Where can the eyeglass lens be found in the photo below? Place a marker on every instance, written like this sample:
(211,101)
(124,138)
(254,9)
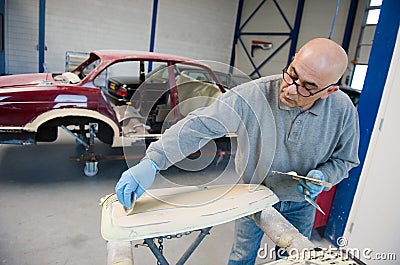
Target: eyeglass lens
(300,89)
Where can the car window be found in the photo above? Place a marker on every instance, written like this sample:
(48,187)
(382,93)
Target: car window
(119,69)
(198,75)
(195,72)
(128,68)
(224,79)
(159,74)
(90,67)
(237,80)
(101,80)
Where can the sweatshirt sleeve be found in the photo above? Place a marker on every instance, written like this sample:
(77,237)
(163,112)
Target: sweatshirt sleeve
(345,155)
(197,129)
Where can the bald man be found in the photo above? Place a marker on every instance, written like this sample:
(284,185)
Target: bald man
(320,63)
(298,121)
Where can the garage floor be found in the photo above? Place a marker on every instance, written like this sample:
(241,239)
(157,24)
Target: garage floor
(50,213)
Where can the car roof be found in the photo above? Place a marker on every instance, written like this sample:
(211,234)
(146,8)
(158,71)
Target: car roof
(133,54)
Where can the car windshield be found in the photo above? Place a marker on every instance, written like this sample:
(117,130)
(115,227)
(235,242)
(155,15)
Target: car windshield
(90,66)
(160,73)
(227,79)
(87,66)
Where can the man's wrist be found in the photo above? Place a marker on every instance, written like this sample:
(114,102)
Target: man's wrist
(155,166)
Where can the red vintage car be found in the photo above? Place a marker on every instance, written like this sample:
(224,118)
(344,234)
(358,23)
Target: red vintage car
(86,100)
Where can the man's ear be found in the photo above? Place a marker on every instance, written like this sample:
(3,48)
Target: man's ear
(330,91)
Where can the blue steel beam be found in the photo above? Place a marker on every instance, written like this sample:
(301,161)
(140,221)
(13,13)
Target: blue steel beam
(349,24)
(2,41)
(42,24)
(252,15)
(265,33)
(269,58)
(283,15)
(236,34)
(292,33)
(248,55)
(378,67)
(153,31)
(296,30)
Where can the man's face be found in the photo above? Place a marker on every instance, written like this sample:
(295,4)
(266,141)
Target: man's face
(308,77)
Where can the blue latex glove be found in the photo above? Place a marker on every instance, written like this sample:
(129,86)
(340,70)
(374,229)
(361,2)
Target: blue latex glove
(312,189)
(135,180)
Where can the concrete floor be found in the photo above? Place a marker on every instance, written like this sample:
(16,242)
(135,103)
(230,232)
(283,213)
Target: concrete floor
(50,211)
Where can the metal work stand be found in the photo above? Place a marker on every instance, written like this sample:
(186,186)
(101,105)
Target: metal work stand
(271,222)
(90,158)
(158,250)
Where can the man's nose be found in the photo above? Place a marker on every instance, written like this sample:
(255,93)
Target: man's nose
(292,89)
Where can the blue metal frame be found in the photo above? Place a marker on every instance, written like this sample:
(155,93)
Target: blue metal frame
(153,31)
(237,31)
(42,23)
(378,67)
(2,51)
(295,32)
(292,34)
(349,24)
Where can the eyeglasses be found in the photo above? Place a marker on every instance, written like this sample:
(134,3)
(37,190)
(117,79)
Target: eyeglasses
(301,89)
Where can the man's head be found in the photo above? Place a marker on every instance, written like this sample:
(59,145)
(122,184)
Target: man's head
(319,64)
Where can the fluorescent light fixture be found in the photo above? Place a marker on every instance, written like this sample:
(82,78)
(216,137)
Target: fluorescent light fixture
(357,82)
(373,16)
(375,3)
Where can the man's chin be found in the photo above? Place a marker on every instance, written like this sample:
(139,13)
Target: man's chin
(288,102)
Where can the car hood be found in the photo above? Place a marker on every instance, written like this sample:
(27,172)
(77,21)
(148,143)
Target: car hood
(24,80)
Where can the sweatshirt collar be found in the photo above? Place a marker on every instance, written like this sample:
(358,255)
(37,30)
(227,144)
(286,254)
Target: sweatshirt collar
(316,109)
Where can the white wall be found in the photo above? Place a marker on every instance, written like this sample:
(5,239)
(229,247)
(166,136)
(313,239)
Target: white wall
(77,25)
(373,221)
(201,30)
(21,35)
(196,29)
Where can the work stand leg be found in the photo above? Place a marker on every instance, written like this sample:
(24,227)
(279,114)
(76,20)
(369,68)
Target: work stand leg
(89,157)
(194,245)
(157,253)
(160,256)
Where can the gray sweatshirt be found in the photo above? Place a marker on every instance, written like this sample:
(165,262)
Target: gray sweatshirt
(270,136)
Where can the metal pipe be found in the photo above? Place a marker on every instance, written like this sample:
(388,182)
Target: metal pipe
(280,231)
(76,137)
(119,253)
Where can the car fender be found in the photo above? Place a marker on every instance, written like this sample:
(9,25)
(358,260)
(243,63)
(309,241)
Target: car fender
(65,112)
